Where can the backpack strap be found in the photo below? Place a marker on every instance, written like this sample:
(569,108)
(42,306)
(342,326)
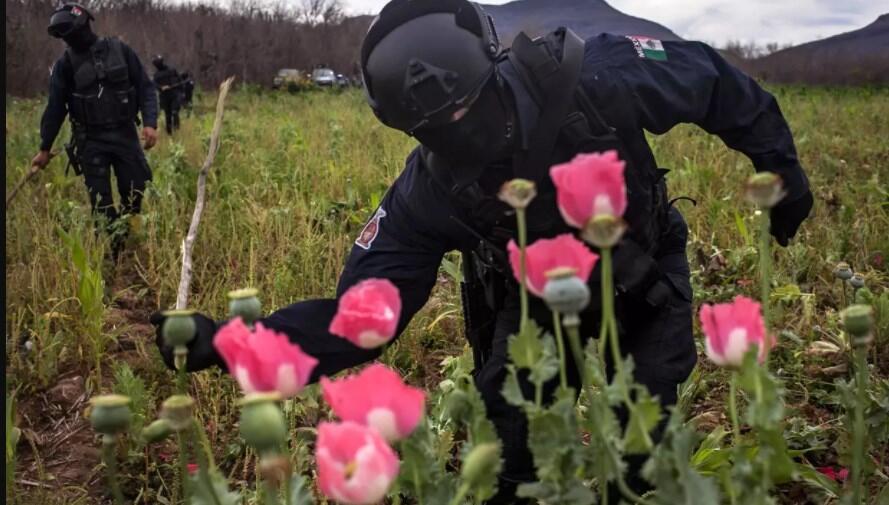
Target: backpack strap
(555,77)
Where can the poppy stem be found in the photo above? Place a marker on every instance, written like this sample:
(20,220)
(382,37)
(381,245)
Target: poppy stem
(560,343)
(733,408)
(858,433)
(109,442)
(523,242)
(765,272)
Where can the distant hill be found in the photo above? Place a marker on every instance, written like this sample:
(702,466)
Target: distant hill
(856,57)
(586,17)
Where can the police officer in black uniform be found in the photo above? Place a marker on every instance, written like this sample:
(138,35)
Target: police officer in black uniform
(169,84)
(101,85)
(187,89)
(484,115)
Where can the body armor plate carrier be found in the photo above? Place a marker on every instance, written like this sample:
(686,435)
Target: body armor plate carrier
(103,95)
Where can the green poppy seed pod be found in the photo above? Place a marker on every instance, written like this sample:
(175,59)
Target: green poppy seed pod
(177,411)
(243,303)
(262,423)
(457,406)
(604,231)
(157,431)
(565,292)
(858,321)
(517,193)
(110,414)
(843,271)
(864,296)
(178,328)
(764,189)
(856,281)
(481,463)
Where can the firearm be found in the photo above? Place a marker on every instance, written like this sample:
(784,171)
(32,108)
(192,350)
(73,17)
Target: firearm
(72,150)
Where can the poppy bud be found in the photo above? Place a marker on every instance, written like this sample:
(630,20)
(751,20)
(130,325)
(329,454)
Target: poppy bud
(457,405)
(177,411)
(244,303)
(565,292)
(262,423)
(481,463)
(275,470)
(110,414)
(764,189)
(178,328)
(157,431)
(518,193)
(843,271)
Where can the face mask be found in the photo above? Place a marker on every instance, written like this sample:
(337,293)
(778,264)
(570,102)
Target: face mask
(80,40)
(484,134)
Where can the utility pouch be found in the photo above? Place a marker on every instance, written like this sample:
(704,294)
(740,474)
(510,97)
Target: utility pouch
(637,276)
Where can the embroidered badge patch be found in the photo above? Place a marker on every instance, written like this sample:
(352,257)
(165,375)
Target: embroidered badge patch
(371,230)
(649,48)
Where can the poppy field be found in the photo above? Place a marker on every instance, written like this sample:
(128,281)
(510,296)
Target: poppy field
(788,404)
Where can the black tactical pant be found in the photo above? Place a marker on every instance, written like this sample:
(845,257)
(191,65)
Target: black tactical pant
(122,153)
(659,339)
(171,102)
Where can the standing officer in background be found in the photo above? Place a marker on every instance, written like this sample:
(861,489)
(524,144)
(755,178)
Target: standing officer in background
(101,85)
(435,70)
(187,89)
(168,82)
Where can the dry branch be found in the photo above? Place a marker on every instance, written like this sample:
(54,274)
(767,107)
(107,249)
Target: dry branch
(188,243)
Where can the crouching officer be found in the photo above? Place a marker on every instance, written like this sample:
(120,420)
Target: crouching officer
(168,82)
(435,70)
(100,84)
(187,89)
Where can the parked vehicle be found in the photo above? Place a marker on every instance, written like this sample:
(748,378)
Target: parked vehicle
(291,79)
(324,77)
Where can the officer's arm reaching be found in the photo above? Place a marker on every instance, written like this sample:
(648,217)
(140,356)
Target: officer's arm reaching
(390,246)
(694,84)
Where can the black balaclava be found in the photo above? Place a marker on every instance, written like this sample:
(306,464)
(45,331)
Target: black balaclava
(80,39)
(486,132)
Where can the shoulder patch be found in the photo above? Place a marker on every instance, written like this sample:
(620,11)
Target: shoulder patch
(371,230)
(647,47)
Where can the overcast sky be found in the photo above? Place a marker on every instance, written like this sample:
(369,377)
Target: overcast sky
(718,21)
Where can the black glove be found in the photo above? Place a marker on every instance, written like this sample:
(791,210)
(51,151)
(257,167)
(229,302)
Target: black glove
(786,217)
(201,353)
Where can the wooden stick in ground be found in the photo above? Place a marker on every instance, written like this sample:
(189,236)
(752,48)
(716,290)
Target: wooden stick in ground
(28,175)
(188,243)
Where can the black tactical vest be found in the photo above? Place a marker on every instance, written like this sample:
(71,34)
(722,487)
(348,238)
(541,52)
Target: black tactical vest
(103,95)
(579,128)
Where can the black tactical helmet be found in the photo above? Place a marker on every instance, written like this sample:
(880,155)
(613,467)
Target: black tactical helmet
(424,60)
(68,18)
(158,61)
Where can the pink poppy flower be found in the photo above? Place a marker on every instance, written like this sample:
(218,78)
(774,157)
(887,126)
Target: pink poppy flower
(731,328)
(590,185)
(376,397)
(355,465)
(192,468)
(834,475)
(546,255)
(368,313)
(263,360)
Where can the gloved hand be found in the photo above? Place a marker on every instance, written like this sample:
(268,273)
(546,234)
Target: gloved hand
(786,217)
(201,353)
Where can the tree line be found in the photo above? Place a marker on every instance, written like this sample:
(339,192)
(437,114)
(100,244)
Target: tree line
(250,39)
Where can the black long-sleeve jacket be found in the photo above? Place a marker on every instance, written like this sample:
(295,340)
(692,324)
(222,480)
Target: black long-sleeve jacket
(661,84)
(61,85)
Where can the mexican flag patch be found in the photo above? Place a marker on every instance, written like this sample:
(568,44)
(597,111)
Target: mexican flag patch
(649,48)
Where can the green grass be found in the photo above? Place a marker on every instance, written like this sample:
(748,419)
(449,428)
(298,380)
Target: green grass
(295,179)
